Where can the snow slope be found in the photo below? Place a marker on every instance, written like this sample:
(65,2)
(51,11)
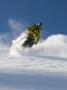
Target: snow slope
(43,67)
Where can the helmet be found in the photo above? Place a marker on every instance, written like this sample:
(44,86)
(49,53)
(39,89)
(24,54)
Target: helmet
(39,24)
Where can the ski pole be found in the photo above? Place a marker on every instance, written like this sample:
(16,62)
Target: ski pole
(22,38)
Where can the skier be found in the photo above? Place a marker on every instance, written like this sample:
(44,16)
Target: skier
(33,35)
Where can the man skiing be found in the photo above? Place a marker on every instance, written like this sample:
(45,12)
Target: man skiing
(33,35)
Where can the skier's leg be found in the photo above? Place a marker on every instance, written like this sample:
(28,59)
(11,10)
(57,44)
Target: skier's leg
(29,41)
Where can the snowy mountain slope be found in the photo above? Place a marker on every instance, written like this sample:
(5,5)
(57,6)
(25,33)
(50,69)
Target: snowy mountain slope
(43,67)
(32,63)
